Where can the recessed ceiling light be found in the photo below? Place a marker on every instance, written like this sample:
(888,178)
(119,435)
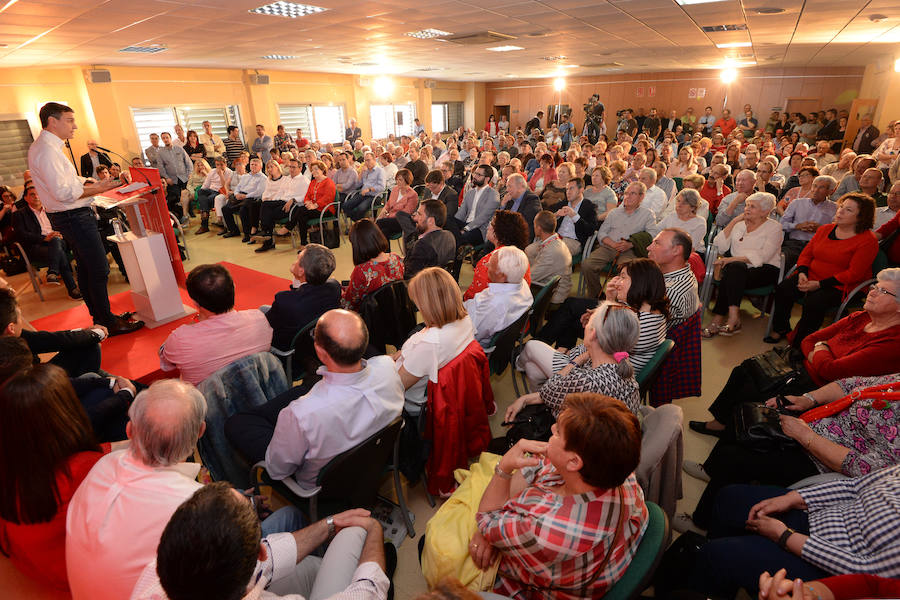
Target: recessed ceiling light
(152,49)
(278,57)
(474,73)
(689,2)
(290,10)
(505,48)
(768,10)
(877,18)
(734,45)
(427,34)
(554,58)
(569,66)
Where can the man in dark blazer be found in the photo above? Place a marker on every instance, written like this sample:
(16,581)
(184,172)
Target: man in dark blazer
(312,294)
(831,130)
(576,218)
(32,229)
(867,133)
(479,204)
(92,159)
(439,190)
(672,122)
(433,247)
(519,198)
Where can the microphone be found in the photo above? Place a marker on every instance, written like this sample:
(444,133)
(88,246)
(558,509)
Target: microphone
(127,162)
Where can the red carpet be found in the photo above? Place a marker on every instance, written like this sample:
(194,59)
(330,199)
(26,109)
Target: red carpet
(135,355)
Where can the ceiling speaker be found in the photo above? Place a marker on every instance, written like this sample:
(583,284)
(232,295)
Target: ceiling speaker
(259,79)
(430,84)
(100,76)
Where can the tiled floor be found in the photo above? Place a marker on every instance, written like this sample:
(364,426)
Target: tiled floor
(719,356)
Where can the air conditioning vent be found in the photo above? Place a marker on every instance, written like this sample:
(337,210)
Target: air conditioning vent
(719,28)
(100,76)
(259,79)
(606,65)
(481,37)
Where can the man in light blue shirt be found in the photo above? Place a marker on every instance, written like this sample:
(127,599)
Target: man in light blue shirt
(175,167)
(246,196)
(371,184)
(805,215)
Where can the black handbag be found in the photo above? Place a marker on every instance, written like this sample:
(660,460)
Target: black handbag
(12,264)
(532,423)
(328,235)
(772,369)
(758,426)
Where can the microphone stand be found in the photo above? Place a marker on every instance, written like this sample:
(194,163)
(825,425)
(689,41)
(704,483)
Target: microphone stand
(126,161)
(72,154)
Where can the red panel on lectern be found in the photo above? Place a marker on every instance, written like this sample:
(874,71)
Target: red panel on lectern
(155,214)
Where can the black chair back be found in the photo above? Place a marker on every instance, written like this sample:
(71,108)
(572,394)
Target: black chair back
(504,342)
(389,315)
(353,477)
(542,294)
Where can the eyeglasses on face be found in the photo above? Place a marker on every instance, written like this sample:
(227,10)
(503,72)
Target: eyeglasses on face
(882,291)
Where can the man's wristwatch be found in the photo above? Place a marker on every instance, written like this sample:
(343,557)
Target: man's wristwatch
(782,541)
(331,528)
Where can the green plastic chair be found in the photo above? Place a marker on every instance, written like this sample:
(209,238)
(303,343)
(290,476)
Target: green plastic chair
(287,356)
(638,575)
(648,374)
(679,183)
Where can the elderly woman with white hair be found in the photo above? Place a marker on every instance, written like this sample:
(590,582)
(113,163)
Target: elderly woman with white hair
(750,251)
(610,336)
(687,202)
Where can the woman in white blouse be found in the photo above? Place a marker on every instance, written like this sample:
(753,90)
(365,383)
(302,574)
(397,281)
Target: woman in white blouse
(685,164)
(687,202)
(448,331)
(753,242)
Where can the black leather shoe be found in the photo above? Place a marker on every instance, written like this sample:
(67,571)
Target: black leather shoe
(267,245)
(390,566)
(75,294)
(245,239)
(229,234)
(700,427)
(121,326)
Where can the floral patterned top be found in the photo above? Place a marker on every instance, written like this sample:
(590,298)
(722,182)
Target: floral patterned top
(870,432)
(619,188)
(368,277)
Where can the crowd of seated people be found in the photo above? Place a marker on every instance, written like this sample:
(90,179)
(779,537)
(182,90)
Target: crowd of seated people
(632,207)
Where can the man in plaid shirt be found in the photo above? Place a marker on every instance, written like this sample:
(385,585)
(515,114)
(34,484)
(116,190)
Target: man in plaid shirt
(839,527)
(565,527)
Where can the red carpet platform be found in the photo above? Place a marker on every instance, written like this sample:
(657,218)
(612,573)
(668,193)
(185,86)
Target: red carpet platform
(135,355)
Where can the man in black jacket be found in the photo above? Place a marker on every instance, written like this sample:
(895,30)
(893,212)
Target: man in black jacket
(33,230)
(862,144)
(416,166)
(831,130)
(534,123)
(576,219)
(92,159)
(522,200)
(312,294)
(439,189)
(434,247)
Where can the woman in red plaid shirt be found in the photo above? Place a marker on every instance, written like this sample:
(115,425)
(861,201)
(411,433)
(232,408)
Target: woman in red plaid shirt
(565,526)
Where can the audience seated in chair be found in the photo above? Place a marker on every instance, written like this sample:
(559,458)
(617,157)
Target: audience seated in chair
(298,432)
(506,298)
(434,247)
(374,265)
(576,219)
(395,217)
(41,243)
(469,224)
(548,256)
(118,513)
(507,228)
(561,523)
(371,185)
(47,448)
(437,185)
(213,547)
(244,197)
(222,334)
(805,215)
(601,365)
(216,183)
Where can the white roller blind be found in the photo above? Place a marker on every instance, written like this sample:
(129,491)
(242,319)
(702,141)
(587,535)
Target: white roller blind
(15,138)
(192,118)
(329,123)
(439,117)
(318,121)
(296,116)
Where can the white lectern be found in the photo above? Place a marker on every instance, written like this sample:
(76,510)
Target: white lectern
(154,290)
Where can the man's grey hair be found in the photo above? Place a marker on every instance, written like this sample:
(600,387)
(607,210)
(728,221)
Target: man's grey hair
(318,263)
(691,197)
(639,185)
(830,182)
(165,422)
(512,262)
(649,172)
(518,178)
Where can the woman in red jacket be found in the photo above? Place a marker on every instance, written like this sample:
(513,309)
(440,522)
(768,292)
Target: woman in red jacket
(319,194)
(836,260)
(47,447)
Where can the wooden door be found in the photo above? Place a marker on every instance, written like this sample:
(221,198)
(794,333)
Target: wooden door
(860,107)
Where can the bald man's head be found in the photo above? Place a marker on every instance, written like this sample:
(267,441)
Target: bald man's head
(342,336)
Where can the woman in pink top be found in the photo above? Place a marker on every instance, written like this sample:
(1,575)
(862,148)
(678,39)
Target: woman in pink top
(402,203)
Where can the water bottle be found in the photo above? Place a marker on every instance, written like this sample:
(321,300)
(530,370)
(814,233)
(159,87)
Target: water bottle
(117,228)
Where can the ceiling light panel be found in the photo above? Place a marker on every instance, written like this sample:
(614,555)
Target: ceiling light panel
(734,45)
(689,2)
(144,49)
(505,48)
(290,10)
(278,57)
(427,34)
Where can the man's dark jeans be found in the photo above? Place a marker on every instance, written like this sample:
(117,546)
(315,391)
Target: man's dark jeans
(79,229)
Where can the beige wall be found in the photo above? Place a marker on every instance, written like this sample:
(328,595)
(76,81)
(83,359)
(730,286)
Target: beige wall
(882,82)
(762,88)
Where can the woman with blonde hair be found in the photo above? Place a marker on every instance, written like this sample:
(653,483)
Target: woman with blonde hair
(195,180)
(684,165)
(448,331)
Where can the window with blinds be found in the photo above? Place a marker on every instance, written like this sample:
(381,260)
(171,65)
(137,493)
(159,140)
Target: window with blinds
(398,119)
(318,121)
(153,120)
(15,138)
(455,115)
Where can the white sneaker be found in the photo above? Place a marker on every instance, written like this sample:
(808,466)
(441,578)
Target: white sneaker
(695,470)
(682,523)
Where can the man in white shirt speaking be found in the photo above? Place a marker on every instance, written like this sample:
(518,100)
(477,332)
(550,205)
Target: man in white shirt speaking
(67,200)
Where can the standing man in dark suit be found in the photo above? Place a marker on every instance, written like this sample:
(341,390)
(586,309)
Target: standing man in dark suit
(469,225)
(576,219)
(33,230)
(534,123)
(672,122)
(831,130)
(439,189)
(864,137)
(92,159)
(519,198)
(312,293)
(352,133)
(434,247)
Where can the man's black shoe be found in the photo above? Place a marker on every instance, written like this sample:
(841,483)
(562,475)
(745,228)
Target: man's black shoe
(229,234)
(390,566)
(121,326)
(267,245)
